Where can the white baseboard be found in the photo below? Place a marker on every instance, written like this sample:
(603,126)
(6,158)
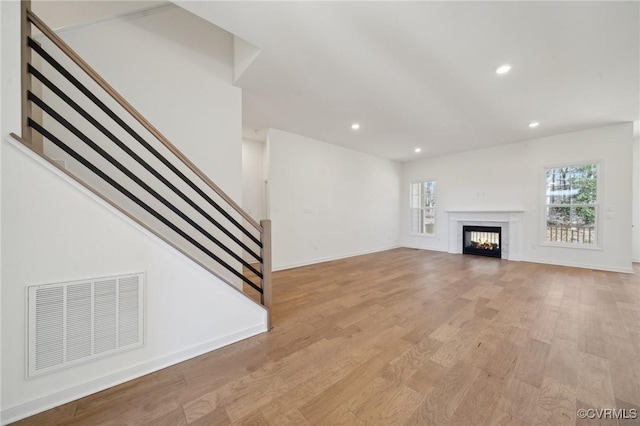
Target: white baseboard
(418,247)
(628,270)
(546,262)
(30,408)
(523,259)
(329,259)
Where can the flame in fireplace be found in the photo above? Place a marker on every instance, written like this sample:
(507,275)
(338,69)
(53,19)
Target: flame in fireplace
(484,245)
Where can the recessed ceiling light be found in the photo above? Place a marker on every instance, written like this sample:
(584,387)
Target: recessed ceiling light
(503,69)
(355,126)
(417,150)
(534,124)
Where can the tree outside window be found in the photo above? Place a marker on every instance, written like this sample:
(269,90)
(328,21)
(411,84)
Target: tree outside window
(422,200)
(572,204)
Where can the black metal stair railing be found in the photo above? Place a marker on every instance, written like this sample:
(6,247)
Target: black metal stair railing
(158,197)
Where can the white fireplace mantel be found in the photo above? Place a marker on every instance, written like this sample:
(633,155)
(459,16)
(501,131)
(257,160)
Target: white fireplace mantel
(508,220)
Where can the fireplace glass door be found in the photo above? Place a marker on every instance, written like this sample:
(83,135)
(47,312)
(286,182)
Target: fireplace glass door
(482,240)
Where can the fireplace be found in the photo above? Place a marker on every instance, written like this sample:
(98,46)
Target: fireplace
(509,221)
(482,240)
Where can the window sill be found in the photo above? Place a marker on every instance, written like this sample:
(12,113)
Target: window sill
(594,247)
(423,235)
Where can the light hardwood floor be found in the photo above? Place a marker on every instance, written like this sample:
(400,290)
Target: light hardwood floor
(406,337)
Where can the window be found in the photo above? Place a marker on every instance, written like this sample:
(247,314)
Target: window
(423,207)
(572,204)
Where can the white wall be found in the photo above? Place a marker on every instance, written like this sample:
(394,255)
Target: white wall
(54,231)
(9,109)
(182,81)
(59,15)
(253,188)
(177,70)
(328,202)
(636,193)
(510,177)
(253,178)
(10,67)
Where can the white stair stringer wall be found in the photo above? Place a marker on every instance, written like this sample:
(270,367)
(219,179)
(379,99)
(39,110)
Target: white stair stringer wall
(56,230)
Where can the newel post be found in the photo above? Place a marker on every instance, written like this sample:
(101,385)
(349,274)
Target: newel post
(25,58)
(266,267)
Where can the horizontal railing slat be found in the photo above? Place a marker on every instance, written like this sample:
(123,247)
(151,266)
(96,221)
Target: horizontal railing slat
(121,210)
(46,108)
(49,84)
(136,200)
(81,87)
(33,128)
(51,35)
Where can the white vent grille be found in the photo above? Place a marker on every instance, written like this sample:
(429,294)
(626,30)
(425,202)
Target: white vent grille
(78,321)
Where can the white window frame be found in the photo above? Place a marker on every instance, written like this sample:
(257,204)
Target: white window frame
(412,209)
(598,223)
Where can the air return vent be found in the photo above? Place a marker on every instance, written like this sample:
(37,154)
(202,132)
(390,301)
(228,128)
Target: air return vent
(78,321)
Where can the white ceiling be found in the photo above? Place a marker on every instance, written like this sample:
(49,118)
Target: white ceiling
(422,74)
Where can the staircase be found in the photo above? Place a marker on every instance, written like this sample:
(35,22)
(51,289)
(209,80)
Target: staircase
(75,120)
(91,189)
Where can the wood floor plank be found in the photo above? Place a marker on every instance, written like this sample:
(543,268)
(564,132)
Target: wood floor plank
(304,392)
(620,350)
(199,408)
(290,418)
(531,364)
(612,322)
(562,362)
(51,417)
(244,398)
(139,391)
(444,333)
(392,407)
(341,416)
(594,381)
(449,353)
(634,338)
(173,418)
(625,380)
(425,378)
(556,403)
(502,418)
(481,350)
(567,326)
(544,327)
(480,401)
(591,338)
(405,337)
(517,336)
(519,399)
(254,419)
(331,398)
(216,417)
(443,400)
(437,316)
